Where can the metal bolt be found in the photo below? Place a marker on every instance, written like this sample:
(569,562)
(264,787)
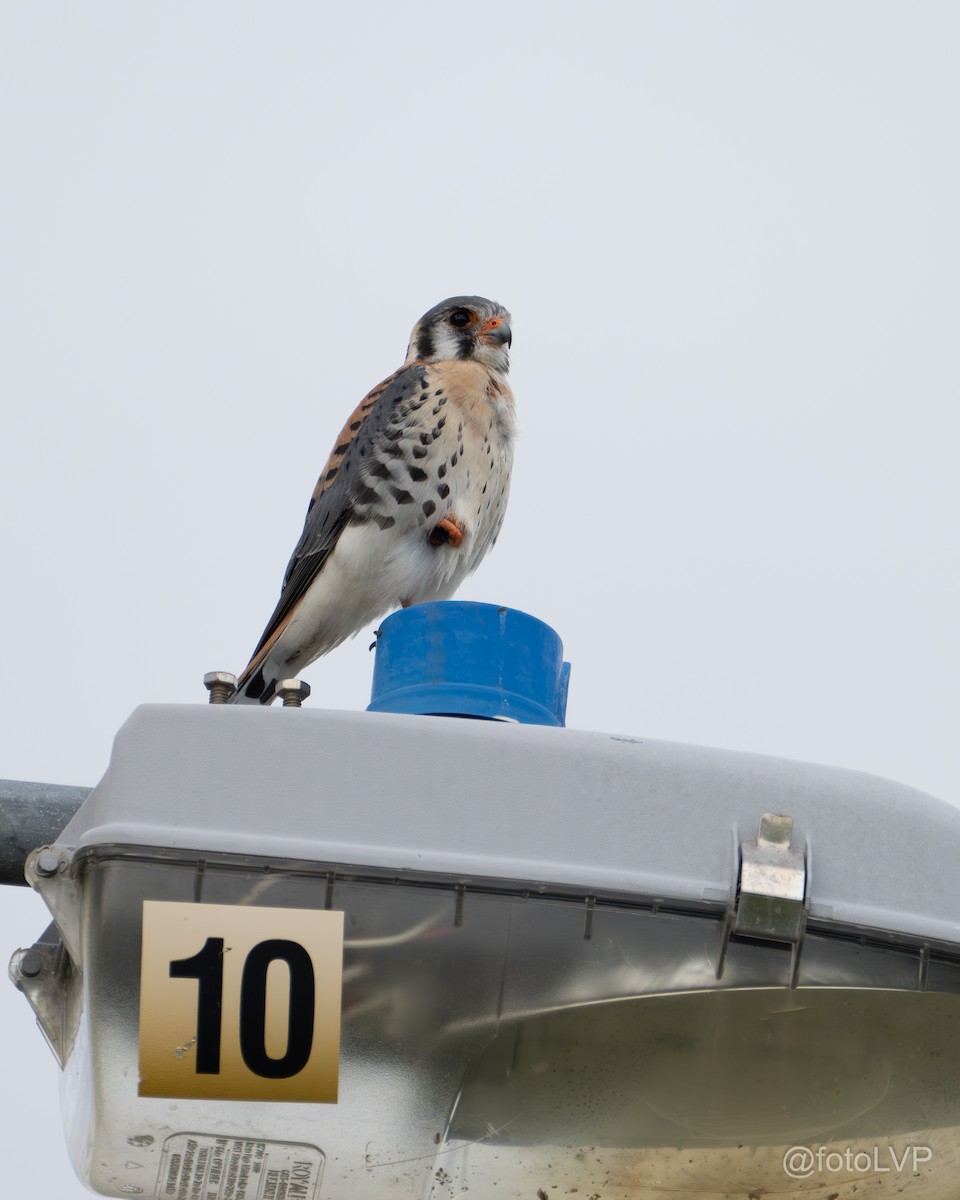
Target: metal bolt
(293,692)
(48,863)
(221,685)
(30,964)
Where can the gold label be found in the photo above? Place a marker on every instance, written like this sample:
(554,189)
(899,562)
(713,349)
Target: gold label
(240,1003)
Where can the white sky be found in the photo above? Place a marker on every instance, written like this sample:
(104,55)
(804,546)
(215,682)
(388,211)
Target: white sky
(728,234)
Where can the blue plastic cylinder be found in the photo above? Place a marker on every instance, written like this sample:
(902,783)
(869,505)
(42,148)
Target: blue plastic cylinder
(458,658)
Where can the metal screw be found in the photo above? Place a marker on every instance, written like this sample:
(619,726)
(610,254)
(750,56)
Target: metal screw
(293,692)
(30,964)
(221,685)
(48,862)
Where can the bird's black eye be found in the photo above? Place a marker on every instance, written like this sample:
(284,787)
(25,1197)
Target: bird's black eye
(460,317)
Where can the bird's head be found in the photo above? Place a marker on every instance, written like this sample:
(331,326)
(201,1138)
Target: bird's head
(466,327)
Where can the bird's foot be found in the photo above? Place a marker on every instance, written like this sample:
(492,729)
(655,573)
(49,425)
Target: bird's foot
(448,532)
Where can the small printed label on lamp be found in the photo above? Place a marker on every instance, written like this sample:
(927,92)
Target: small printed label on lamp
(240,1003)
(236,1168)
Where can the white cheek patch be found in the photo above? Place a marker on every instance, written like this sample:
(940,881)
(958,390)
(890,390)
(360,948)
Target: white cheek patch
(445,342)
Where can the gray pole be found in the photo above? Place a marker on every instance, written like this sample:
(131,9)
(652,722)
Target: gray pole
(31,815)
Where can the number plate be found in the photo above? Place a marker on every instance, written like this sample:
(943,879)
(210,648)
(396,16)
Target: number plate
(240,1003)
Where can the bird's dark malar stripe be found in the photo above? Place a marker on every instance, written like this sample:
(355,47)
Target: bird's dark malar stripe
(425,344)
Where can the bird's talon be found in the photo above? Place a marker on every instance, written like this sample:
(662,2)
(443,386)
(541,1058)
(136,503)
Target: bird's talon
(446,532)
(376,638)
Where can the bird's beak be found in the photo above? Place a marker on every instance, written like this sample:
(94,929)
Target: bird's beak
(497,330)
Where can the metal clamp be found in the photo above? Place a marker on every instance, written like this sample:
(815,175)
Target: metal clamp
(772,885)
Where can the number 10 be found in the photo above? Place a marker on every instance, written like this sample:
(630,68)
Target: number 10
(206,966)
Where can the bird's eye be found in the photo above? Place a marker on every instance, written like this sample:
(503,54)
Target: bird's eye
(460,317)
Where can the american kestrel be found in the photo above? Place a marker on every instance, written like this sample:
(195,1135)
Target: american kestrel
(411,498)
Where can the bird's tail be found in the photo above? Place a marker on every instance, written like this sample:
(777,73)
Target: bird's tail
(253,686)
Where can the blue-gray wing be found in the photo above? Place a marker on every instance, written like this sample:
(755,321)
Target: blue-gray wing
(342,494)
